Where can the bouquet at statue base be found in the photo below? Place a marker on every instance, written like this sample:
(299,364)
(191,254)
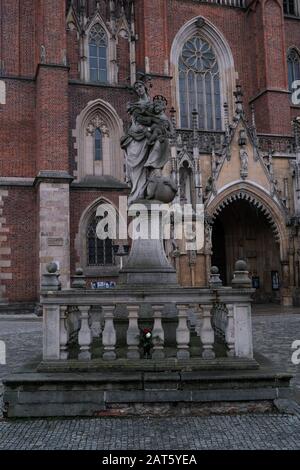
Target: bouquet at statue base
(146,342)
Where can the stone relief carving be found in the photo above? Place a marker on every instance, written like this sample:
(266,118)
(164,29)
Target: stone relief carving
(244,159)
(208,237)
(97,123)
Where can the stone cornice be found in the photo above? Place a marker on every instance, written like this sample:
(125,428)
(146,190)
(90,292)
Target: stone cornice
(268,90)
(53,177)
(16,181)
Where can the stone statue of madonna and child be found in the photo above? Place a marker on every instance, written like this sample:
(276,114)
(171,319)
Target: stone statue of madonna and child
(146,147)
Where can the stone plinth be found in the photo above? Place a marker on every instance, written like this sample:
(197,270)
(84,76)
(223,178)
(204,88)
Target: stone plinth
(147,262)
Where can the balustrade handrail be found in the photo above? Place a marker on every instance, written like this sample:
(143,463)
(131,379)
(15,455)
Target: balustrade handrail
(228,3)
(190,295)
(207,140)
(186,305)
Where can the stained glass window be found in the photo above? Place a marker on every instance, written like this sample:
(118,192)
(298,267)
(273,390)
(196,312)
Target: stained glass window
(199,85)
(98,145)
(99,252)
(293,67)
(98,54)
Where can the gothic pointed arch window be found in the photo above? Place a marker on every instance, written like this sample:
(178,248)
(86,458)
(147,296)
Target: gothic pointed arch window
(199,84)
(293,60)
(98,252)
(97,135)
(98,54)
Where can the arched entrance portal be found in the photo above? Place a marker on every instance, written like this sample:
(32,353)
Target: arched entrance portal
(242,231)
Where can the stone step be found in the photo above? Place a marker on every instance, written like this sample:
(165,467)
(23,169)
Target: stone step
(167,364)
(110,392)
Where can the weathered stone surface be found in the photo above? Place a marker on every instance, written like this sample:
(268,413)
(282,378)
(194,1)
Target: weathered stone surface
(147,262)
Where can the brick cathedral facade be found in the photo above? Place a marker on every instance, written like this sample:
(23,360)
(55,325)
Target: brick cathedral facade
(226,68)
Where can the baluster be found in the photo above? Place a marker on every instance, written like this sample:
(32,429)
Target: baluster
(182,333)
(109,337)
(51,325)
(229,332)
(63,334)
(198,320)
(207,333)
(95,315)
(85,334)
(158,336)
(133,332)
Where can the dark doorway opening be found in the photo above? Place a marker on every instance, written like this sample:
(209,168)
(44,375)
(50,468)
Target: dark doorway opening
(241,231)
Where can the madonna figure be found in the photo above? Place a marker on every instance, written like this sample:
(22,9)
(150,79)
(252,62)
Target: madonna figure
(146,144)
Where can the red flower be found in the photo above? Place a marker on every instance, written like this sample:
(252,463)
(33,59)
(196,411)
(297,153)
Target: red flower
(147,330)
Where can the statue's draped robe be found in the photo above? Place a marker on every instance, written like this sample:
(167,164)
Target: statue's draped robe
(141,158)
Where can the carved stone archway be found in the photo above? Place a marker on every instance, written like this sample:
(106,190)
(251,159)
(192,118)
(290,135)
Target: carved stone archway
(80,238)
(273,214)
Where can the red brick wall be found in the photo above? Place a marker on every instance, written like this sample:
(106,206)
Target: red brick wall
(20,211)
(73,54)
(17,37)
(272,112)
(51,25)
(27,37)
(123,60)
(17,130)
(10,36)
(52,118)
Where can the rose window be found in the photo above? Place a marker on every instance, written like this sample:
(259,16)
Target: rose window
(198,55)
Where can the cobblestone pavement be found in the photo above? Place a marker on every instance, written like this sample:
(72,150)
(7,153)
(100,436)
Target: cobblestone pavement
(273,337)
(214,432)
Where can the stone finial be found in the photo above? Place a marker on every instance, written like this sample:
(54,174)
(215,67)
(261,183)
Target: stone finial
(78,281)
(52,267)
(241,275)
(50,279)
(214,280)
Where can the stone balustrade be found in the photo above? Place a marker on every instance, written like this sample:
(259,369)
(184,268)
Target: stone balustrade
(228,3)
(206,141)
(223,318)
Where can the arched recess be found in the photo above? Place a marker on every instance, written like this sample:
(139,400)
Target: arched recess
(81,239)
(99,114)
(260,200)
(248,224)
(216,39)
(186,179)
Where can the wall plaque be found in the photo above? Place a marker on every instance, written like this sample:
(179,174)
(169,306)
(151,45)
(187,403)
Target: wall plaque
(52,241)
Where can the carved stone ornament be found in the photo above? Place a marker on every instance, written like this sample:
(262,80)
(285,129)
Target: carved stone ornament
(208,237)
(244,163)
(96,123)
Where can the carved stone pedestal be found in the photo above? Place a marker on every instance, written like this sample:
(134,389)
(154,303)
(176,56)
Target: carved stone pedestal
(147,262)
